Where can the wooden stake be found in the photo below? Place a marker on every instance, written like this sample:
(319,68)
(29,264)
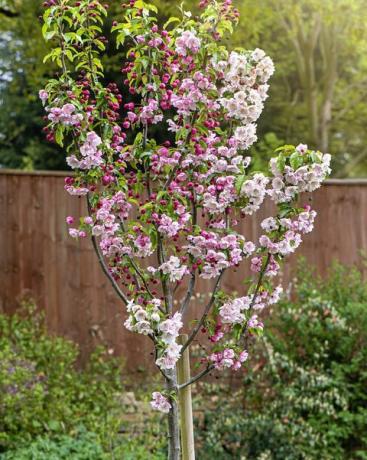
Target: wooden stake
(185,404)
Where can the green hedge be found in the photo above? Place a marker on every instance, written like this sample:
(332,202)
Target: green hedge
(308,399)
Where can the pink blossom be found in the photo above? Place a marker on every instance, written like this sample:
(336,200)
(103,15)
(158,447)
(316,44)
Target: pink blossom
(160,402)
(43,95)
(188,41)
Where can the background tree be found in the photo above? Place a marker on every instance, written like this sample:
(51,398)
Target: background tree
(319,88)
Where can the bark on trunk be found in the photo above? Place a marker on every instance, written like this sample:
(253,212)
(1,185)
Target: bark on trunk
(174,449)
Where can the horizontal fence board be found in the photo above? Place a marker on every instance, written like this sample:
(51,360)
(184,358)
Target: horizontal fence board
(38,259)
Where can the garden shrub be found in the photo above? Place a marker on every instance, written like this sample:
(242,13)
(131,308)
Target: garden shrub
(82,446)
(308,400)
(43,393)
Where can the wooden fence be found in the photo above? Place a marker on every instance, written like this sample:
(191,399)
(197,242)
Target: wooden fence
(39,259)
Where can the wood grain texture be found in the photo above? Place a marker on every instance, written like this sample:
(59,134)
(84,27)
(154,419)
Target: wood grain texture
(38,258)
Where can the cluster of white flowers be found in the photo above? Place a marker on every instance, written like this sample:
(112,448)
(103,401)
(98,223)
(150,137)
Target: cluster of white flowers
(307,178)
(245,136)
(244,91)
(143,320)
(255,191)
(169,331)
(173,268)
(148,320)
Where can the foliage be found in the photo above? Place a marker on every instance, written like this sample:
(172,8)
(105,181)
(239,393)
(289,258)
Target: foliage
(319,87)
(22,143)
(81,446)
(84,445)
(308,399)
(43,393)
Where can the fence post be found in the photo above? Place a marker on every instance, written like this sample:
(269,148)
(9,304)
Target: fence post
(185,404)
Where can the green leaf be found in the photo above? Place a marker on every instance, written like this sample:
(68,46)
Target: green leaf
(59,135)
(170,21)
(296,160)
(239,182)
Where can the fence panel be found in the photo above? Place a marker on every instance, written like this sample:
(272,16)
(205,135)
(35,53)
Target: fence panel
(39,259)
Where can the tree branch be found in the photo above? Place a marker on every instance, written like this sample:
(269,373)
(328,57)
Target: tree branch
(205,314)
(9,13)
(197,377)
(103,264)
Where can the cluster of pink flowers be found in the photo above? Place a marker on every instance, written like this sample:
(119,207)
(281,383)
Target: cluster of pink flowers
(217,252)
(91,155)
(150,113)
(191,92)
(228,359)
(107,224)
(65,115)
(167,226)
(234,311)
(142,245)
(164,157)
(220,195)
(160,402)
(187,42)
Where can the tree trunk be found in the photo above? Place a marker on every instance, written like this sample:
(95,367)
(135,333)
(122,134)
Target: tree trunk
(174,449)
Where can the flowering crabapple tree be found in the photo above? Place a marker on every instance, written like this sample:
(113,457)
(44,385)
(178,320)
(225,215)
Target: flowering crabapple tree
(164,214)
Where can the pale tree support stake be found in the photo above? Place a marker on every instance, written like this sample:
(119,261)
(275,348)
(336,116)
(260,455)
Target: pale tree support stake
(185,403)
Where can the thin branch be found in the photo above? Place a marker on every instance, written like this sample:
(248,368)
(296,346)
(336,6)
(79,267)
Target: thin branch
(103,264)
(205,314)
(9,13)
(136,268)
(107,272)
(258,285)
(197,377)
(191,286)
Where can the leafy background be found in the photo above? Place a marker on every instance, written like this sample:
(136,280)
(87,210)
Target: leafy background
(317,94)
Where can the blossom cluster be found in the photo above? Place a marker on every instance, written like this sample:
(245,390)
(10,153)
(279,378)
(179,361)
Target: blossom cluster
(292,180)
(148,321)
(160,402)
(215,252)
(165,210)
(244,91)
(91,155)
(228,359)
(65,115)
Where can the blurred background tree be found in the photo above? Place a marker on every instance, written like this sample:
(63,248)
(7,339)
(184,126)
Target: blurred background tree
(317,94)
